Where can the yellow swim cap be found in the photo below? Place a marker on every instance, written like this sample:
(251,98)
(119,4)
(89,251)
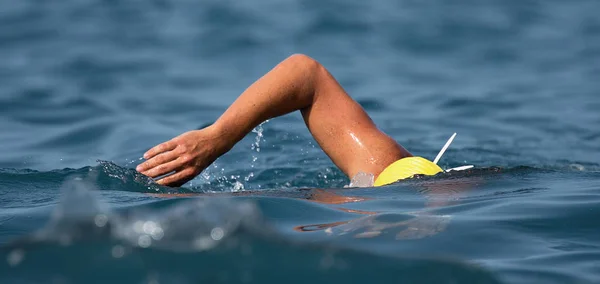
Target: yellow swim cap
(405,168)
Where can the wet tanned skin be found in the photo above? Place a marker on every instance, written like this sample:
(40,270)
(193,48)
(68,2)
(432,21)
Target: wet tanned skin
(339,124)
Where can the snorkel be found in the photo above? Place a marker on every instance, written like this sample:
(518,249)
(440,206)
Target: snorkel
(411,166)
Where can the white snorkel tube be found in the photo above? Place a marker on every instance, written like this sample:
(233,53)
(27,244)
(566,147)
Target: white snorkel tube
(439,156)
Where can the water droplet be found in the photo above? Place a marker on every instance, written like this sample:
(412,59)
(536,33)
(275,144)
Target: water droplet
(100,220)
(158,233)
(149,227)
(217,233)
(144,241)
(238,186)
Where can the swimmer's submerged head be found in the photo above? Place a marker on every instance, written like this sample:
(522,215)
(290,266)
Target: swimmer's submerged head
(406,168)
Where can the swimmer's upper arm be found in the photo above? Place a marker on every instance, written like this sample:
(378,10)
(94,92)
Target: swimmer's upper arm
(338,123)
(344,130)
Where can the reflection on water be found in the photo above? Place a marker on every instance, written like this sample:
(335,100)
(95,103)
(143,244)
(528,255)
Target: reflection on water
(410,225)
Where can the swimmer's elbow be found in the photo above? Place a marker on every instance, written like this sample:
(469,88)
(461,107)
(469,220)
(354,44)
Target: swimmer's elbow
(303,62)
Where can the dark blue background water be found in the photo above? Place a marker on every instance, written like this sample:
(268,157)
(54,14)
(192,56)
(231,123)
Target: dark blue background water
(89,80)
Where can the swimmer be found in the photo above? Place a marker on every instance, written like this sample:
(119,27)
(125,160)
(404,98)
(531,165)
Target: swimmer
(339,124)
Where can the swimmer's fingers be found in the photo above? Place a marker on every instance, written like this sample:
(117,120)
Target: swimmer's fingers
(163,168)
(160,148)
(157,161)
(178,178)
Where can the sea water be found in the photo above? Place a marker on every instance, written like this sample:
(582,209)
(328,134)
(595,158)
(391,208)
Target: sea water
(87,86)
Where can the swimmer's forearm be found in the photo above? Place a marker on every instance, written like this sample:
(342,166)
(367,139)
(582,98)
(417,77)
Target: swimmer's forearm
(288,87)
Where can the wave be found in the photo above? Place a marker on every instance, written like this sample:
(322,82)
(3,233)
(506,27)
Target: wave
(110,176)
(415,231)
(198,239)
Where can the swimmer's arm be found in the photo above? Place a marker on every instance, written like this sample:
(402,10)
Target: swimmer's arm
(339,124)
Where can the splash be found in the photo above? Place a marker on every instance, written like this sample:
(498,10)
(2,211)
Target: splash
(362,180)
(259,136)
(112,176)
(214,176)
(255,147)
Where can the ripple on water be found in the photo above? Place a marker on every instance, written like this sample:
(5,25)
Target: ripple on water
(97,79)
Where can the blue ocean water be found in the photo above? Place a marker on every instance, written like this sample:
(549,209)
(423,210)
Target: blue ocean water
(87,86)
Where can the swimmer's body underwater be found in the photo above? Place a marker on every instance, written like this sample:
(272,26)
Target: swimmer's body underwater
(339,124)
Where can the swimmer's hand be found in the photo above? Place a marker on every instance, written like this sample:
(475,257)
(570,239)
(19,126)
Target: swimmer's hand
(183,157)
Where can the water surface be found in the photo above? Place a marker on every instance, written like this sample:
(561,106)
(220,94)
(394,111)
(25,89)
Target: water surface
(86,87)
